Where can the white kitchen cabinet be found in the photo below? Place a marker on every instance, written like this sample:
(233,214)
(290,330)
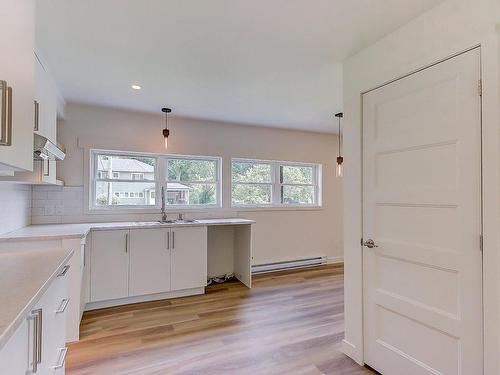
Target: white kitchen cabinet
(46,96)
(109,265)
(16,73)
(54,306)
(149,261)
(141,262)
(189,257)
(74,289)
(18,355)
(14,356)
(44,124)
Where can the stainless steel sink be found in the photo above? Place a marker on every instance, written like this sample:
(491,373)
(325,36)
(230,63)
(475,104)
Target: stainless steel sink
(183,221)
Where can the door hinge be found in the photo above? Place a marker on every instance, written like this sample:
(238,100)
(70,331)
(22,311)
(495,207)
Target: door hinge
(480,87)
(481,242)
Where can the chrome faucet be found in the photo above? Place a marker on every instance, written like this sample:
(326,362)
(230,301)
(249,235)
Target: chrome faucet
(163,212)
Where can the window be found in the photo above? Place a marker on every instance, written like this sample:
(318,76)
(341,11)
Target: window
(252,183)
(298,184)
(137,176)
(189,181)
(271,183)
(193,181)
(123,189)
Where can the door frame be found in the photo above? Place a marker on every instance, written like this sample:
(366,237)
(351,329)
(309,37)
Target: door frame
(481,183)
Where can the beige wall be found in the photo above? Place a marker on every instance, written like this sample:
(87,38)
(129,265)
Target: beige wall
(451,27)
(279,234)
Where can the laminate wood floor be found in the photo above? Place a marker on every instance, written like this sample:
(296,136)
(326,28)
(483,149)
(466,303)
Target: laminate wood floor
(289,323)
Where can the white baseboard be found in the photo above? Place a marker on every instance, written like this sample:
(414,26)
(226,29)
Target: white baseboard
(289,264)
(351,351)
(146,298)
(335,260)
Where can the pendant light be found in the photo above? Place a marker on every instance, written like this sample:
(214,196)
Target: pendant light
(340,159)
(166,132)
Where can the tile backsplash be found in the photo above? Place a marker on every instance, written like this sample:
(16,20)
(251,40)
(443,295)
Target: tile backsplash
(65,204)
(57,204)
(15,206)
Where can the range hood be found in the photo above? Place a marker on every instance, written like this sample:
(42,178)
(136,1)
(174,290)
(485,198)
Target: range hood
(45,149)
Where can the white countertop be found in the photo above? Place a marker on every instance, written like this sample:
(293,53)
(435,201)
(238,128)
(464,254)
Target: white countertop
(67,231)
(24,277)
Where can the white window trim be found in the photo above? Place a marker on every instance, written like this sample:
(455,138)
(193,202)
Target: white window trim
(159,181)
(276,185)
(93,181)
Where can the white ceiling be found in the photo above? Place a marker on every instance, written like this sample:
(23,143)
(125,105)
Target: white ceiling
(262,62)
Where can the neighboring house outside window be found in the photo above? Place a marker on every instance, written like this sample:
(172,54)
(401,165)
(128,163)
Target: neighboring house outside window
(193,181)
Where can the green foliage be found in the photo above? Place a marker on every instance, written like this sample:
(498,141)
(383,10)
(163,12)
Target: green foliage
(102,200)
(261,174)
(184,170)
(202,194)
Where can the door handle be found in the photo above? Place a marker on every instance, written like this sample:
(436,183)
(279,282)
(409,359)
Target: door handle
(370,244)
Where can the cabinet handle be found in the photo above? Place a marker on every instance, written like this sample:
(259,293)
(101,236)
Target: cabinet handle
(46,172)
(62,308)
(126,242)
(6,115)
(3,115)
(168,240)
(9,116)
(36,316)
(62,358)
(64,270)
(173,240)
(37,115)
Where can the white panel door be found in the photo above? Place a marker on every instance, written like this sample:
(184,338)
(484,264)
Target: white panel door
(109,265)
(149,261)
(189,257)
(422,207)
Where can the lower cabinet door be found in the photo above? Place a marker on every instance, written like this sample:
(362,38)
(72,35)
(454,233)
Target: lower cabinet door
(109,264)
(189,257)
(15,355)
(149,261)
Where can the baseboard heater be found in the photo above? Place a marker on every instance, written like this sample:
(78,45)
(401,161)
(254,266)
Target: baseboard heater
(289,264)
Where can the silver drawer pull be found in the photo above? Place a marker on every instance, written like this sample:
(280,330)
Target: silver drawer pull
(64,270)
(64,304)
(3,114)
(62,358)
(36,316)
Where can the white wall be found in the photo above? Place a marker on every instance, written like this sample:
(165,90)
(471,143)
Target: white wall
(280,234)
(452,27)
(15,206)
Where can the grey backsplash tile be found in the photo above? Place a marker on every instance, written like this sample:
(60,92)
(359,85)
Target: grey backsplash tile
(15,203)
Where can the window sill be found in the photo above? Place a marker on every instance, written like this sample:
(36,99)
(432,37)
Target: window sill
(277,208)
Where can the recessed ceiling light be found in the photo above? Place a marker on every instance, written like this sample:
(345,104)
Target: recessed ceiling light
(136,87)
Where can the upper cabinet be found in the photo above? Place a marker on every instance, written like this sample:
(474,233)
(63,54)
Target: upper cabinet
(45,102)
(17,85)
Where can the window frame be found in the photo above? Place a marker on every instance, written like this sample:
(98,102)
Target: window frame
(276,198)
(217,182)
(93,180)
(160,181)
